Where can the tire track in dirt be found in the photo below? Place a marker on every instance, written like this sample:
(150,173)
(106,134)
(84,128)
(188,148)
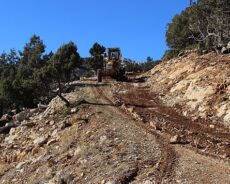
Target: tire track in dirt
(168,159)
(197,135)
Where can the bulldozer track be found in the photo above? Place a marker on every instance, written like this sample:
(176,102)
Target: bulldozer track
(198,136)
(168,155)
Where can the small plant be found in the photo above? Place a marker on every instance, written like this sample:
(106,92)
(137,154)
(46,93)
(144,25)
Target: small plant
(67,111)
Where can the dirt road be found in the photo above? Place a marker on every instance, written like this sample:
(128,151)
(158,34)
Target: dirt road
(119,134)
(202,152)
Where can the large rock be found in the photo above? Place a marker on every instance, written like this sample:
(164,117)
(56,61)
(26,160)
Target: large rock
(148,182)
(6,129)
(22,115)
(34,111)
(175,139)
(155,126)
(42,107)
(228,45)
(4,119)
(10,139)
(77,151)
(40,141)
(224,50)
(20,165)
(52,141)
(74,110)
(110,182)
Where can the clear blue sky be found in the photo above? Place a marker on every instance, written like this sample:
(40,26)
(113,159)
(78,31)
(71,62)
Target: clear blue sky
(136,26)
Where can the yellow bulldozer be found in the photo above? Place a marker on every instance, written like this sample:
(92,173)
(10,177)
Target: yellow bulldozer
(113,66)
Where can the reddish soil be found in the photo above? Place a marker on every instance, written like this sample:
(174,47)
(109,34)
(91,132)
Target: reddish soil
(198,135)
(168,155)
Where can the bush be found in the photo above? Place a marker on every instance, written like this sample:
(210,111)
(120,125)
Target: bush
(67,111)
(169,54)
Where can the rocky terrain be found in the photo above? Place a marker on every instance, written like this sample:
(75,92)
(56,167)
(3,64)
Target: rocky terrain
(88,143)
(120,133)
(199,84)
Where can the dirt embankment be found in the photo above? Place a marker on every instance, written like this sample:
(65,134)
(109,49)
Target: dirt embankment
(199,84)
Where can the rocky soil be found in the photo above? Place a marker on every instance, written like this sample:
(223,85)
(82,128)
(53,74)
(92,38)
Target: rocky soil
(89,143)
(199,84)
(113,133)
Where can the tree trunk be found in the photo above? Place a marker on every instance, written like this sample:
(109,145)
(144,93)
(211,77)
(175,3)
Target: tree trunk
(64,100)
(62,97)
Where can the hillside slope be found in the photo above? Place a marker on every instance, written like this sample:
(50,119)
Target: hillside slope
(200,85)
(114,133)
(86,144)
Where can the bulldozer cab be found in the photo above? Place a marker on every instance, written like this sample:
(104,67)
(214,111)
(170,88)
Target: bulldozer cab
(113,65)
(114,54)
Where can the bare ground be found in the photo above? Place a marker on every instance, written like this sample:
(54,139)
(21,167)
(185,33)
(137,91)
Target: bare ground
(120,134)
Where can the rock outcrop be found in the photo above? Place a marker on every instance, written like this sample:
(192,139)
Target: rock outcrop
(199,84)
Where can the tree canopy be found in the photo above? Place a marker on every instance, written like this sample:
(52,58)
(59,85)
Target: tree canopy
(31,76)
(204,25)
(97,52)
(27,77)
(64,61)
(33,52)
